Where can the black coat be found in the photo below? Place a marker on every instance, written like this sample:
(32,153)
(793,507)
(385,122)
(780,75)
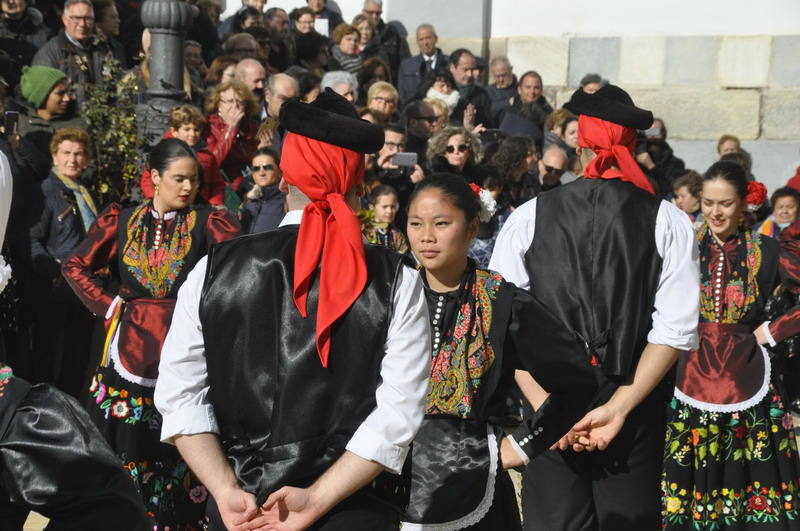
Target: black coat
(411,73)
(392,45)
(56,227)
(479,97)
(264,213)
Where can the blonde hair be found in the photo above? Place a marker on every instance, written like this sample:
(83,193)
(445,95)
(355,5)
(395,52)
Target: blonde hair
(440,106)
(382,86)
(557,118)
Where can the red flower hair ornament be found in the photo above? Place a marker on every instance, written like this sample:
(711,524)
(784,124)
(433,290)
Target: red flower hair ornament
(756,195)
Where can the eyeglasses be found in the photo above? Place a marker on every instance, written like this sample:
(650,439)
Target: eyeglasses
(395,145)
(236,102)
(244,50)
(555,171)
(85,20)
(429,119)
(385,100)
(462,148)
(264,167)
(373,12)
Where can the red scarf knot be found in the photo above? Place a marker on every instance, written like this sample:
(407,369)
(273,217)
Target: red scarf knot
(330,234)
(614,145)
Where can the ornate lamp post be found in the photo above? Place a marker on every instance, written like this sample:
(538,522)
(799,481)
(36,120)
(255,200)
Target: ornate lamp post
(167,21)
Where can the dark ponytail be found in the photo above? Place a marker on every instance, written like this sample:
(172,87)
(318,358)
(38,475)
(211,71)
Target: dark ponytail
(731,172)
(167,151)
(455,189)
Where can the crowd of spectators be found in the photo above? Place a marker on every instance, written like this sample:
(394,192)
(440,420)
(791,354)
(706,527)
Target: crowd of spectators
(441,112)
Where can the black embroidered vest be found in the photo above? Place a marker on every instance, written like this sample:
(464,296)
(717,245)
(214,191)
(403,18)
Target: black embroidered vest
(283,417)
(594,263)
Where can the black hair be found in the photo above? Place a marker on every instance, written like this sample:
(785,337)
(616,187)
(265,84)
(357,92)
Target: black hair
(309,45)
(741,157)
(531,73)
(441,72)
(394,128)
(455,189)
(731,172)
(268,152)
(380,190)
(455,57)
(492,182)
(785,191)
(566,123)
(511,154)
(306,82)
(167,151)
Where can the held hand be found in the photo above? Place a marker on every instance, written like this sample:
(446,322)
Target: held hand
(290,509)
(384,161)
(509,456)
(237,508)
(597,429)
(645,160)
(761,337)
(418,174)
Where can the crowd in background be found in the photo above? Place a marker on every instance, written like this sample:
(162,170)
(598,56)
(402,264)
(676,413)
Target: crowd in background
(457,113)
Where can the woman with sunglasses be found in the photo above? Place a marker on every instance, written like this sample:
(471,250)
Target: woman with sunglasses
(458,151)
(264,205)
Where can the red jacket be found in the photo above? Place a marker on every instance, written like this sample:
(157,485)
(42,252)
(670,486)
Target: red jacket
(213,189)
(234,148)
(794,182)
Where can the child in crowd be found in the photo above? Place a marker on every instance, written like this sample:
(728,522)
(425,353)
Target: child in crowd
(480,249)
(383,206)
(687,190)
(187,123)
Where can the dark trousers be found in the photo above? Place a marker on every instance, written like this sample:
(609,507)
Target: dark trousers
(357,513)
(617,489)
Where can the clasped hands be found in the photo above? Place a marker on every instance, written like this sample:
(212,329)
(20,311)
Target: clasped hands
(287,509)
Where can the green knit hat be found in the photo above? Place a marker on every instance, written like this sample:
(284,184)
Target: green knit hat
(38,81)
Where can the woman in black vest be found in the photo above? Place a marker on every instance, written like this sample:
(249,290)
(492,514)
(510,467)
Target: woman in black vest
(147,250)
(730,460)
(479,324)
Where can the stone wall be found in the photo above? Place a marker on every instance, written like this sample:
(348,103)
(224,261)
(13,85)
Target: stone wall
(703,87)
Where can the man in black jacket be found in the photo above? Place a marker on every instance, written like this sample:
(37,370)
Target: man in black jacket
(658,159)
(462,66)
(414,69)
(388,38)
(77,50)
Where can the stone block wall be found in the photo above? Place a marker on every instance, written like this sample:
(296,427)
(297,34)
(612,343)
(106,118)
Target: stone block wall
(703,87)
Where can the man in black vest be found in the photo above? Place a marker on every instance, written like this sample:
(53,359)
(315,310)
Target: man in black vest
(619,267)
(297,363)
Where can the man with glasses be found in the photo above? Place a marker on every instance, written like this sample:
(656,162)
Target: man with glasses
(386,36)
(401,178)
(414,69)
(76,50)
(420,120)
(553,168)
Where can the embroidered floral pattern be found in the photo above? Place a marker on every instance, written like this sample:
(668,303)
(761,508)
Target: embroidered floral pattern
(698,440)
(120,404)
(709,511)
(741,290)
(157,268)
(461,362)
(165,487)
(5,377)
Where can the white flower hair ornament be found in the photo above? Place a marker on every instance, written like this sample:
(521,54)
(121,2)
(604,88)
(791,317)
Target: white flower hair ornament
(488,204)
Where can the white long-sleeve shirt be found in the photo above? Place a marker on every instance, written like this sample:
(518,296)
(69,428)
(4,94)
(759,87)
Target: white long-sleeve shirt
(677,300)
(181,393)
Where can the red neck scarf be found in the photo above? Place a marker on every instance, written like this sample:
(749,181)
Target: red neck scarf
(614,145)
(330,234)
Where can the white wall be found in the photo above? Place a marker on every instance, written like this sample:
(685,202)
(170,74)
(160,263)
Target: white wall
(636,17)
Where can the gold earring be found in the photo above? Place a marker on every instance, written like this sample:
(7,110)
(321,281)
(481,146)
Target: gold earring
(156,190)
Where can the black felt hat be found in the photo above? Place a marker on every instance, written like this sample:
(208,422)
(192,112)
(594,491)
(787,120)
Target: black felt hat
(612,104)
(331,119)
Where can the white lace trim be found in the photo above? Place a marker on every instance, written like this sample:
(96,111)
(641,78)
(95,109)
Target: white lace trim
(5,273)
(483,507)
(113,354)
(739,406)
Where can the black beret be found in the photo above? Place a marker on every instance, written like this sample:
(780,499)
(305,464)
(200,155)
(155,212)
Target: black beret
(611,104)
(331,119)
